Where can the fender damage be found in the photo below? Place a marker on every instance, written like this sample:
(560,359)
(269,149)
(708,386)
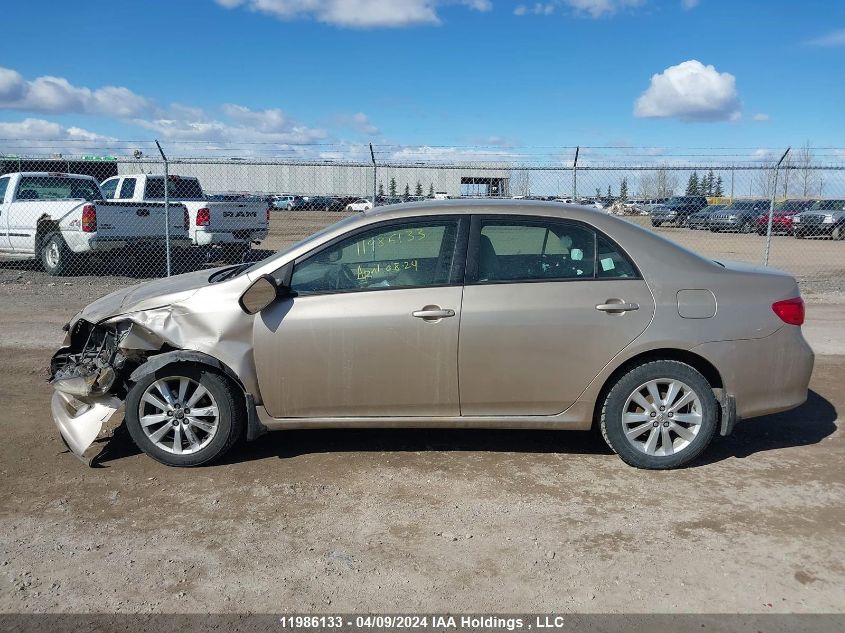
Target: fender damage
(115,337)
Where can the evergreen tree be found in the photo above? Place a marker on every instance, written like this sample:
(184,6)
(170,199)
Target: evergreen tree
(623,189)
(419,190)
(717,188)
(609,193)
(393,187)
(381,189)
(407,191)
(711,183)
(703,185)
(692,184)
(598,193)
(431,190)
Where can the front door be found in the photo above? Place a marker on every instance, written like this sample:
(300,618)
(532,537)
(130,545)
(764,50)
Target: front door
(539,318)
(371,327)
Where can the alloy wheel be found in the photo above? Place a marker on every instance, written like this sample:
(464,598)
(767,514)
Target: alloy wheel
(662,417)
(178,415)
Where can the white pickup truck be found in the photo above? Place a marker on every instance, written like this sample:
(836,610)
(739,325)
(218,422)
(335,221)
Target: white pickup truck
(232,225)
(57,217)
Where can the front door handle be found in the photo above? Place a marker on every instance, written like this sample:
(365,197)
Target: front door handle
(433,313)
(617,306)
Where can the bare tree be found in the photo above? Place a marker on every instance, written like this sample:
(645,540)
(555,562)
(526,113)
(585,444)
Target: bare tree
(807,177)
(659,183)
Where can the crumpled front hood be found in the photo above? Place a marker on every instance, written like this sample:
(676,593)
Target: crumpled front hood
(150,294)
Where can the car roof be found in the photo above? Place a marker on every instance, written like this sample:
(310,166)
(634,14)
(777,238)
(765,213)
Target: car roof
(466,206)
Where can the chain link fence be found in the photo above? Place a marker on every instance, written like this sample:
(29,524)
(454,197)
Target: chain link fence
(144,217)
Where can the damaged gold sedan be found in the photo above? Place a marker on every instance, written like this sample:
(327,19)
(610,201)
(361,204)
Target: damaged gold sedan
(474,314)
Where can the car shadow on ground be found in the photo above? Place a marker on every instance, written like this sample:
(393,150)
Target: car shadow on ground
(808,424)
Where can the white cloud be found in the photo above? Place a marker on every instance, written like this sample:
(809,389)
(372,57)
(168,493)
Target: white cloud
(591,8)
(38,134)
(231,123)
(56,95)
(687,5)
(761,116)
(359,122)
(356,13)
(834,38)
(690,91)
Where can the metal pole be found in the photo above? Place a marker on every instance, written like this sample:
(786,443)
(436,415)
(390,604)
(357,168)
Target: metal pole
(166,208)
(575,176)
(772,209)
(732,184)
(375,175)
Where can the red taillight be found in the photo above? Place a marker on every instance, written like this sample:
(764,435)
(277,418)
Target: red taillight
(203,217)
(186,218)
(790,311)
(89,218)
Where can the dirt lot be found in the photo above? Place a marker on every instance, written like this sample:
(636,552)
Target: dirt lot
(417,520)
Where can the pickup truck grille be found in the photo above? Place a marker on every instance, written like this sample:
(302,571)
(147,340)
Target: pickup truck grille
(811,219)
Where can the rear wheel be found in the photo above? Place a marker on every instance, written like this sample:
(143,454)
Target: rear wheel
(838,232)
(56,257)
(185,415)
(659,415)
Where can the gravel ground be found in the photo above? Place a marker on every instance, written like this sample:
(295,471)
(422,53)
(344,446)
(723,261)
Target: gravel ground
(415,520)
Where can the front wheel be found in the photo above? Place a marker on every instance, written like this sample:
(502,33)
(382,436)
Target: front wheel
(838,232)
(746,227)
(659,415)
(185,415)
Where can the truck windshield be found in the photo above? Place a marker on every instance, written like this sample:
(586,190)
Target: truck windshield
(58,188)
(177,189)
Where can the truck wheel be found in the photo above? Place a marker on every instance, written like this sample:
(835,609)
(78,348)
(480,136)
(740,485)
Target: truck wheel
(185,415)
(234,253)
(659,415)
(56,257)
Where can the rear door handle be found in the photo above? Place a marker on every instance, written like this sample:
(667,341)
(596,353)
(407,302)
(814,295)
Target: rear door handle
(432,313)
(617,306)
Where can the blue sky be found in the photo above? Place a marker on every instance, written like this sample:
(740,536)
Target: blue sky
(444,73)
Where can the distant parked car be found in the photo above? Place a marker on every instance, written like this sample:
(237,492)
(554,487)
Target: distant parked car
(284,202)
(701,219)
(825,217)
(781,216)
(360,204)
(739,216)
(677,209)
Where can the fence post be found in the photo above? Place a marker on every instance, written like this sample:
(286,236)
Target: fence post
(166,208)
(575,176)
(772,210)
(375,175)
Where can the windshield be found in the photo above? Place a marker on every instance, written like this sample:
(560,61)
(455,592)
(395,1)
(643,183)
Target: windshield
(828,205)
(58,188)
(177,189)
(745,204)
(314,236)
(793,205)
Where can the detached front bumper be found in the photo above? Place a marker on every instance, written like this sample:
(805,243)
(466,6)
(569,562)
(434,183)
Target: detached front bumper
(80,422)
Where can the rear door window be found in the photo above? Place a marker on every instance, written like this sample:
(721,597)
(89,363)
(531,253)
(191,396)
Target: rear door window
(109,187)
(127,188)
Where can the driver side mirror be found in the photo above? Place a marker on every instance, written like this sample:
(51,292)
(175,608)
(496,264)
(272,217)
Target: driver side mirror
(260,294)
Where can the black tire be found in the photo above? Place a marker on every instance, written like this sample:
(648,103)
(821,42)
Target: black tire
(798,235)
(230,404)
(838,232)
(656,223)
(234,253)
(746,227)
(762,232)
(612,428)
(56,258)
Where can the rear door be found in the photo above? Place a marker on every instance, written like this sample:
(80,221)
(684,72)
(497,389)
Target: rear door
(547,304)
